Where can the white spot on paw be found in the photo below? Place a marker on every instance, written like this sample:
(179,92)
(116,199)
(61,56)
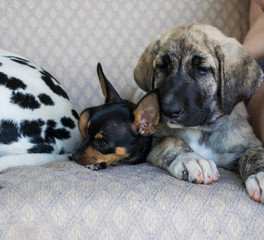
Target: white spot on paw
(255,186)
(193,168)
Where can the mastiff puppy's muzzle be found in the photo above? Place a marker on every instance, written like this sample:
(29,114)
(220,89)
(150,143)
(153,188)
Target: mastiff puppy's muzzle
(204,77)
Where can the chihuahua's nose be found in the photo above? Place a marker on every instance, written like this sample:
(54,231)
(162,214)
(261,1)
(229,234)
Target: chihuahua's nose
(76,157)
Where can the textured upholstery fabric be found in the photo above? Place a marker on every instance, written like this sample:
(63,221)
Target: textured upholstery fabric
(67,201)
(68,38)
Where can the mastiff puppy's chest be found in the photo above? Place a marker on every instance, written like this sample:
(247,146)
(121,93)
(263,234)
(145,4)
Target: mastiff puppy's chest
(215,142)
(204,77)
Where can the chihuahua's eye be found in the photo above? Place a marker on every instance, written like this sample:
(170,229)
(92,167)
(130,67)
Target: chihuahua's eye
(101,143)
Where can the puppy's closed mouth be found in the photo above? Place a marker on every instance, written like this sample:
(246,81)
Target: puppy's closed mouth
(171,122)
(168,117)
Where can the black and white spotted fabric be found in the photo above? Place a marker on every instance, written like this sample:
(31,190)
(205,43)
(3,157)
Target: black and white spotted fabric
(36,115)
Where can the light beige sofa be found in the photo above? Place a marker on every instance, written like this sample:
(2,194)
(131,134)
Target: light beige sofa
(65,200)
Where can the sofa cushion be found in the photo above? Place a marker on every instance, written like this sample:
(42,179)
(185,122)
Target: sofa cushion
(68,201)
(69,38)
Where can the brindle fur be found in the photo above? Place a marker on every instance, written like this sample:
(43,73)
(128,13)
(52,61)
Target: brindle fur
(203,77)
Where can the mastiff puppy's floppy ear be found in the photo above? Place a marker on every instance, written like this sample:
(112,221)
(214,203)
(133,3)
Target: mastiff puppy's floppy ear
(143,73)
(239,74)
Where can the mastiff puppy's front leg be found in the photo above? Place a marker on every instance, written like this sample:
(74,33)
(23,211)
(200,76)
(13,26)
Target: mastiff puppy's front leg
(251,168)
(174,155)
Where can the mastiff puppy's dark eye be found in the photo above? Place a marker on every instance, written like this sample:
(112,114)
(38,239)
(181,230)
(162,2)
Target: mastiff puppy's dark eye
(164,65)
(203,70)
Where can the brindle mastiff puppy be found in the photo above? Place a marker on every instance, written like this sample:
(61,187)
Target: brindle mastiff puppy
(203,77)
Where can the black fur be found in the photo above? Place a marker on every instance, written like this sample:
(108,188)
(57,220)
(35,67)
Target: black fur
(45,99)
(21,61)
(25,100)
(49,80)
(67,122)
(8,132)
(117,132)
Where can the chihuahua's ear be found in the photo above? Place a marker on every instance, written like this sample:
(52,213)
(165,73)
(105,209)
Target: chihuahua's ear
(147,114)
(111,95)
(84,121)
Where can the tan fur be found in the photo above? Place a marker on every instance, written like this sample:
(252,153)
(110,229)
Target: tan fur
(231,76)
(149,110)
(222,53)
(84,123)
(93,156)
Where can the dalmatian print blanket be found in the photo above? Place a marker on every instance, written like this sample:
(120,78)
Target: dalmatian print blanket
(38,123)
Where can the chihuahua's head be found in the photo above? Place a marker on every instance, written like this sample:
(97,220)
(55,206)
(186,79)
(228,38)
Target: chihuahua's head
(117,131)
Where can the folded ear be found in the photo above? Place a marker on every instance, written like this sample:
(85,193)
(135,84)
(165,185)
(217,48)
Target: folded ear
(109,91)
(143,72)
(240,76)
(85,118)
(147,114)
(84,121)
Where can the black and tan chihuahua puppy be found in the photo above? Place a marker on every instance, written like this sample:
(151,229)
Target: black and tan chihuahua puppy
(117,132)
